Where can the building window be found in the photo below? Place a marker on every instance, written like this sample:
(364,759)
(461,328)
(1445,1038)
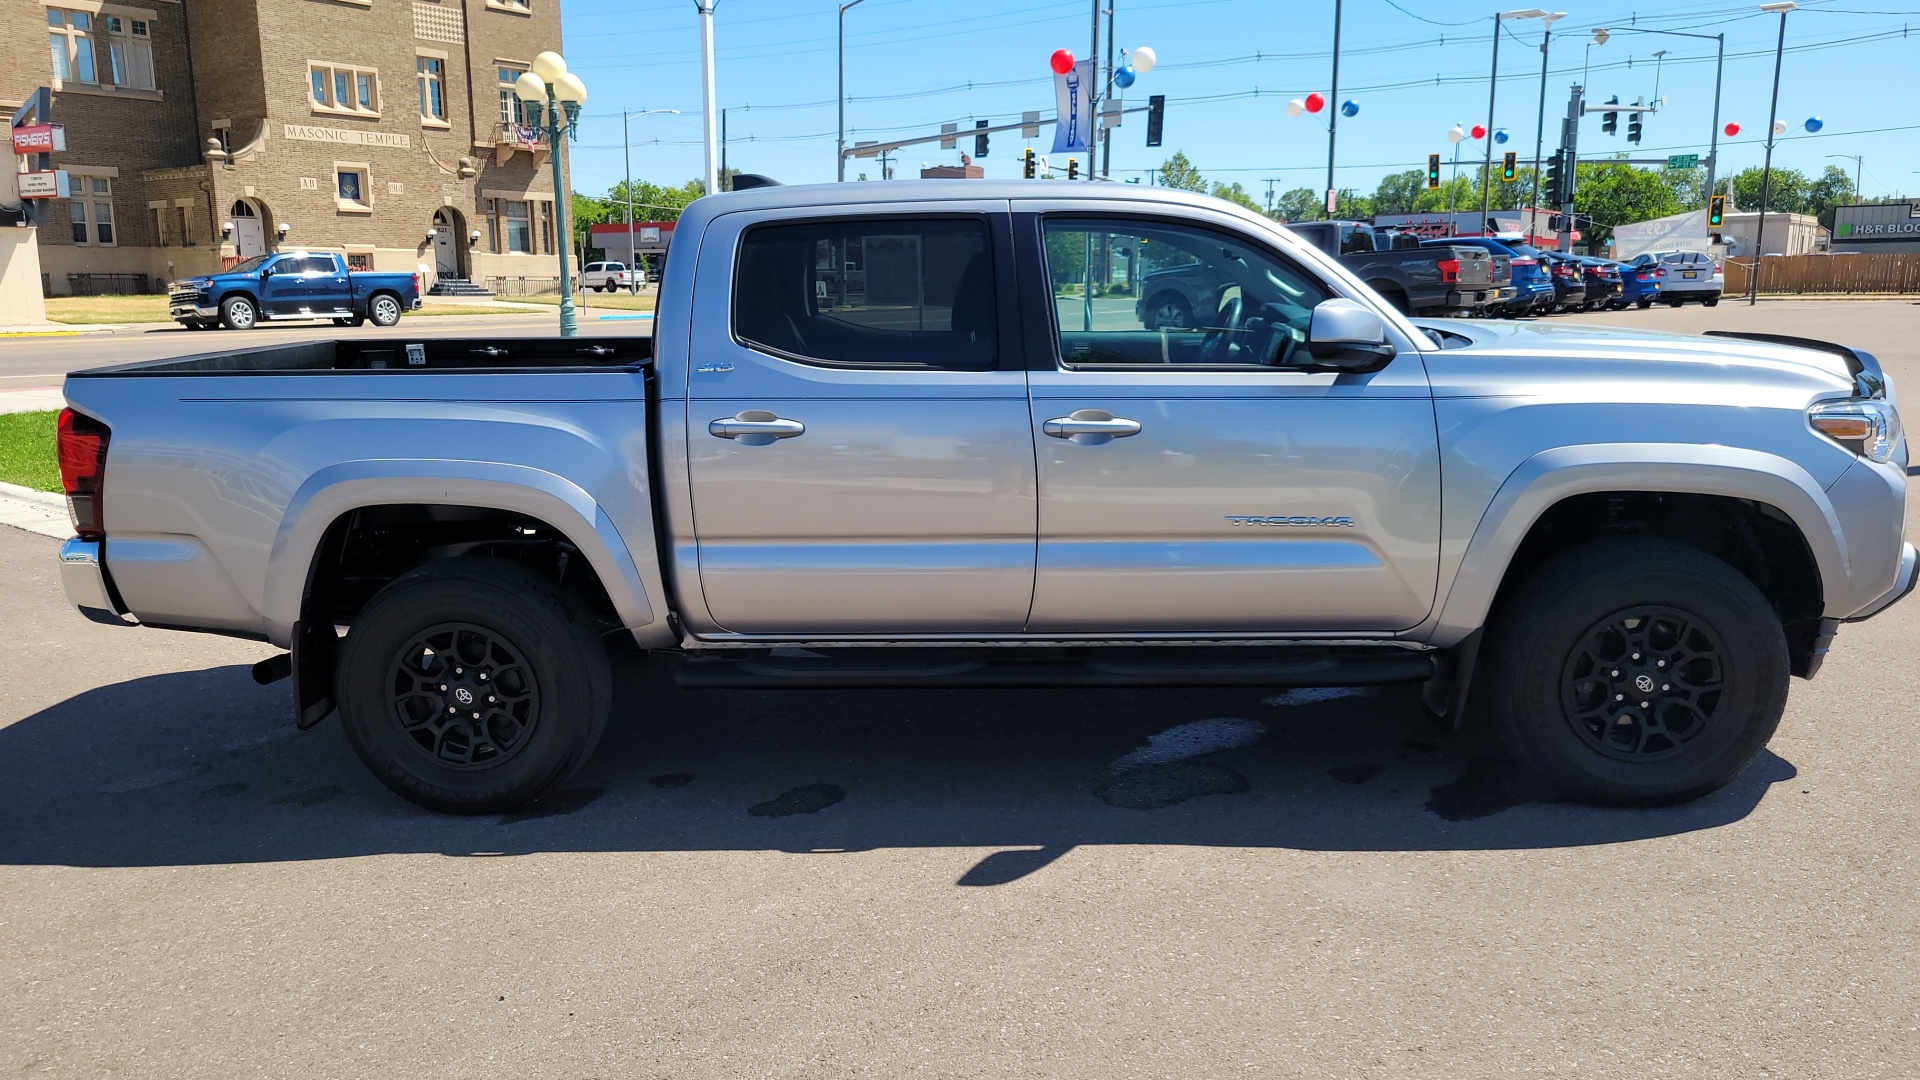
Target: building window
(518,7)
(359,261)
(185,216)
(159,227)
(513,111)
(519,228)
(431,75)
(92,211)
(70,34)
(350,184)
(130,51)
(546,227)
(341,89)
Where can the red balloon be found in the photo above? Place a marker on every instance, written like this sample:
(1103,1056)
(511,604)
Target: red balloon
(1732,130)
(1062,62)
(1314,102)
(1479,131)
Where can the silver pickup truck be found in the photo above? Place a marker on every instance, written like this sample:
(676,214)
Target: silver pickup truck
(917,435)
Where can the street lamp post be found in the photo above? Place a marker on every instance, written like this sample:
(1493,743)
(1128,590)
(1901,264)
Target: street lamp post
(561,93)
(1493,87)
(1857,160)
(626,145)
(1719,64)
(841,158)
(1540,125)
(708,118)
(1766,172)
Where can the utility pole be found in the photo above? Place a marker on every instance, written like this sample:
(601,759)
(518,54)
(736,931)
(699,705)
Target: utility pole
(840,159)
(1570,165)
(723,149)
(1766,175)
(707,118)
(1094,92)
(1106,133)
(1333,108)
(1270,182)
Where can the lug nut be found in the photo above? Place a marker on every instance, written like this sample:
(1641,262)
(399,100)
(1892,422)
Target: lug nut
(1615,673)
(1636,656)
(1616,697)
(483,676)
(476,716)
(491,699)
(451,709)
(1665,687)
(1643,705)
(443,686)
(1659,663)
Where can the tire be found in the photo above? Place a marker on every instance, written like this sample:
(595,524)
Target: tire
(238,313)
(1643,304)
(383,309)
(1169,311)
(1675,302)
(1391,293)
(502,620)
(343,321)
(1710,301)
(1549,688)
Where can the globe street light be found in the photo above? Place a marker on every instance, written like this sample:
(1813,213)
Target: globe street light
(561,93)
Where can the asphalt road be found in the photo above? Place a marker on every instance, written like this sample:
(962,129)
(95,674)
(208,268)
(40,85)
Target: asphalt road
(942,884)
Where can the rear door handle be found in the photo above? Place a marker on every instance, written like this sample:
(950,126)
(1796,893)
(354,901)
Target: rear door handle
(755,427)
(1091,427)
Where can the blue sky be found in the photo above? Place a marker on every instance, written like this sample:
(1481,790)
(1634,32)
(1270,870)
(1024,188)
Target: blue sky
(1410,65)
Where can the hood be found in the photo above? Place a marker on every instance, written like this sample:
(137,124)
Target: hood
(1589,351)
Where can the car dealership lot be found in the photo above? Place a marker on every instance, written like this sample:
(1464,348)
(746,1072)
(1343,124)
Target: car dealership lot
(894,883)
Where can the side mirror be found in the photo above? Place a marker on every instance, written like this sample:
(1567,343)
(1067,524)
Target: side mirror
(1344,336)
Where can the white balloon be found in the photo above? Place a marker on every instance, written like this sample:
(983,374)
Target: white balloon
(1454,134)
(1779,127)
(1296,107)
(1142,59)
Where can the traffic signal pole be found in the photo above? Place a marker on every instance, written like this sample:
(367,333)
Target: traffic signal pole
(1570,165)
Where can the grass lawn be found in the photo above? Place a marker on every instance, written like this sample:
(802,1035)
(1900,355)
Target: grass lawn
(27,451)
(107,309)
(618,301)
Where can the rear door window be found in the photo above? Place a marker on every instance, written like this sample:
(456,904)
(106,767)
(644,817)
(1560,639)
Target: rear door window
(872,292)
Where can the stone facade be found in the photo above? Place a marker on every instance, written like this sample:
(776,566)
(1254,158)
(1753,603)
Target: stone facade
(288,124)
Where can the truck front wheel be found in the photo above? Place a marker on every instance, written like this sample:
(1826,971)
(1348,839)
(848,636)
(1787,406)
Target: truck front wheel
(238,313)
(1634,672)
(472,685)
(384,309)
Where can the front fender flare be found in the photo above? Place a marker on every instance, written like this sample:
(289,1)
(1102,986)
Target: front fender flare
(352,485)
(1553,475)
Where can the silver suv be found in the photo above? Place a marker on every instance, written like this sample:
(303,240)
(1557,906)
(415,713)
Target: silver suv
(1691,275)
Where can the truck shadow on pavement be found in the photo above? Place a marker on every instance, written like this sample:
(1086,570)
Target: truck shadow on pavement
(204,767)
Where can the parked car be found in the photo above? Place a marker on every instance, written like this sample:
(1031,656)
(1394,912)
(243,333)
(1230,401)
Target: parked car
(611,276)
(1412,278)
(1533,288)
(970,477)
(1639,285)
(1569,283)
(1690,275)
(1602,277)
(292,285)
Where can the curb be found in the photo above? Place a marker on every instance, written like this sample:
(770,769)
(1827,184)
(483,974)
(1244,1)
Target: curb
(34,511)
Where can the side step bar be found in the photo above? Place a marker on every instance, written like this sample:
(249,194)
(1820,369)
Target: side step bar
(1292,667)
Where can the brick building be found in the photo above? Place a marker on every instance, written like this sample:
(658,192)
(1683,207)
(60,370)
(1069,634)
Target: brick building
(200,132)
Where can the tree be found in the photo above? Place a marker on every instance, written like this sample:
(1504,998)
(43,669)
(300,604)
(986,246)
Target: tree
(587,212)
(1352,204)
(1455,194)
(1234,193)
(1834,188)
(1788,192)
(1611,194)
(1397,192)
(1300,204)
(1177,172)
(651,201)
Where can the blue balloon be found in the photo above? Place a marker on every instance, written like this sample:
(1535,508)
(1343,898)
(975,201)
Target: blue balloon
(1124,77)
(1814,123)
(1500,136)
(1349,107)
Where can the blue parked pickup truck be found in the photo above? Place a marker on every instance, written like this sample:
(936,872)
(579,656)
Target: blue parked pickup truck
(293,285)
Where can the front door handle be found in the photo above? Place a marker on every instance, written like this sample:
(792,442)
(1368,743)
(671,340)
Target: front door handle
(1091,427)
(755,427)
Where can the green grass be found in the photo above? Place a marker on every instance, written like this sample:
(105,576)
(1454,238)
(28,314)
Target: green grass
(27,451)
(107,309)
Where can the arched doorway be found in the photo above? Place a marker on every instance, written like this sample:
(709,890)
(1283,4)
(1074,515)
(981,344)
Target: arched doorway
(249,230)
(449,243)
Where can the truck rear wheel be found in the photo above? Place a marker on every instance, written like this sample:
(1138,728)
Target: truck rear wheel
(384,309)
(1634,672)
(470,686)
(238,313)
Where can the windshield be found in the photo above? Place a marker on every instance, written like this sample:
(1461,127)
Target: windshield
(247,266)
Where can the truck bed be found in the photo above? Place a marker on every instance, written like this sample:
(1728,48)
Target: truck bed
(388,354)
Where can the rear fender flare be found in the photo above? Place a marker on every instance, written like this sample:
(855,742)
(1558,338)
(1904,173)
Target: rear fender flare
(339,489)
(1553,475)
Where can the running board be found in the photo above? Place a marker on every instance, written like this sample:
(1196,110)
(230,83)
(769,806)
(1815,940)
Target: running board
(1292,667)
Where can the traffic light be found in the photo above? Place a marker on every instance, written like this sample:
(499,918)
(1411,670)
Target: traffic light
(1026,164)
(980,140)
(1717,211)
(1433,170)
(1556,189)
(1073,168)
(1156,118)
(1507,165)
(1610,121)
(1633,128)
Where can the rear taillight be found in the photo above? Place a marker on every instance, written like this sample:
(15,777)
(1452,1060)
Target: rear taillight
(416,281)
(1450,270)
(1716,269)
(1522,260)
(1662,272)
(82,444)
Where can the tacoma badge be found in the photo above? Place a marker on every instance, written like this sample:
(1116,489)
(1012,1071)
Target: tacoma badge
(1295,522)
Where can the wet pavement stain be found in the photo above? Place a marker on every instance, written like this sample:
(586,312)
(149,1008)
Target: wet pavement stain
(226,790)
(1356,774)
(670,780)
(1152,787)
(555,805)
(1488,786)
(311,796)
(810,799)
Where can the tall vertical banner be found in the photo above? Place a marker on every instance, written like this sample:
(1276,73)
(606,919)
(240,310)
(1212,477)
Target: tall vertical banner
(1073,98)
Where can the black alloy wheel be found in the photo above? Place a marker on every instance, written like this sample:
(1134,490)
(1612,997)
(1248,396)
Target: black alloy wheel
(464,696)
(1642,683)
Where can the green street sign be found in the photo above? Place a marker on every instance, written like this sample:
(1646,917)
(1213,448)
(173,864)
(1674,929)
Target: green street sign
(1683,161)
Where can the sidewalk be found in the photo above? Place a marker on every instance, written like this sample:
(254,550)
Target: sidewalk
(34,511)
(32,399)
(59,329)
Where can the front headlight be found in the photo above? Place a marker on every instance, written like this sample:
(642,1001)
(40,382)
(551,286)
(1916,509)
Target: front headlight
(1868,427)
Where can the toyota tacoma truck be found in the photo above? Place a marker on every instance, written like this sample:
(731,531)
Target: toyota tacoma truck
(292,285)
(970,466)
